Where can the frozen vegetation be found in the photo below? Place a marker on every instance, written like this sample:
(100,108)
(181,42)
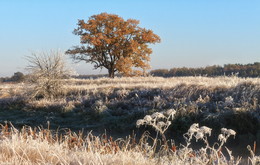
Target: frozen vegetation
(224,110)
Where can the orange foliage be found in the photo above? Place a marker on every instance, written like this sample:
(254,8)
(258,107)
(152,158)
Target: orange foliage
(108,41)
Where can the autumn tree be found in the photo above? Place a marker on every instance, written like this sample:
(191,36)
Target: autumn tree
(108,41)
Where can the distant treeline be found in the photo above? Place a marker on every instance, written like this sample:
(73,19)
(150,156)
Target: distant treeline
(17,77)
(240,70)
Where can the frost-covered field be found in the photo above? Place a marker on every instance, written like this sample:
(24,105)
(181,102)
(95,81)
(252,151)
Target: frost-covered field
(112,101)
(141,82)
(116,105)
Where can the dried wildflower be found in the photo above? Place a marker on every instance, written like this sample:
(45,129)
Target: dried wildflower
(206,130)
(231,132)
(170,113)
(224,130)
(160,124)
(222,138)
(199,135)
(148,118)
(154,115)
(228,132)
(158,121)
(168,123)
(193,128)
(195,125)
(157,115)
(140,122)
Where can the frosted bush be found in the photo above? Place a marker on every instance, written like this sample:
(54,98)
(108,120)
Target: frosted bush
(47,70)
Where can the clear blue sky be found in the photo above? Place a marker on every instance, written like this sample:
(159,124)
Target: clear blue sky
(194,33)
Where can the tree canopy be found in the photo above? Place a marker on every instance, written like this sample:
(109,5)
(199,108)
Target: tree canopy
(108,41)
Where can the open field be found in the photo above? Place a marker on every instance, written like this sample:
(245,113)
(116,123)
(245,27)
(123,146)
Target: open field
(116,105)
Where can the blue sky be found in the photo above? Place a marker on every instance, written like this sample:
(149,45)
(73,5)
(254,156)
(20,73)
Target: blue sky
(194,33)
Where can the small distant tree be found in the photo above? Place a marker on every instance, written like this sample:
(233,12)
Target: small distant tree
(18,77)
(47,69)
(108,41)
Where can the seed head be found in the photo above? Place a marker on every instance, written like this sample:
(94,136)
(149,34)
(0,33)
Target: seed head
(148,118)
(224,130)
(160,124)
(231,132)
(140,122)
(221,138)
(199,135)
(206,130)
(170,113)
(157,115)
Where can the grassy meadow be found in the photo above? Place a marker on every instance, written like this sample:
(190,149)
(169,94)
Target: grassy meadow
(94,121)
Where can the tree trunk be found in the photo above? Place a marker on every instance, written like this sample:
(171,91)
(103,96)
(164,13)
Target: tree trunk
(111,73)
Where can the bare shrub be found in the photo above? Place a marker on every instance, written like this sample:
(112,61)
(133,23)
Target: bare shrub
(47,69)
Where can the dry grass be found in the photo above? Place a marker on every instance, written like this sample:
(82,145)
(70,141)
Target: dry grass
(42,146)
(79,86)
(156,82)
